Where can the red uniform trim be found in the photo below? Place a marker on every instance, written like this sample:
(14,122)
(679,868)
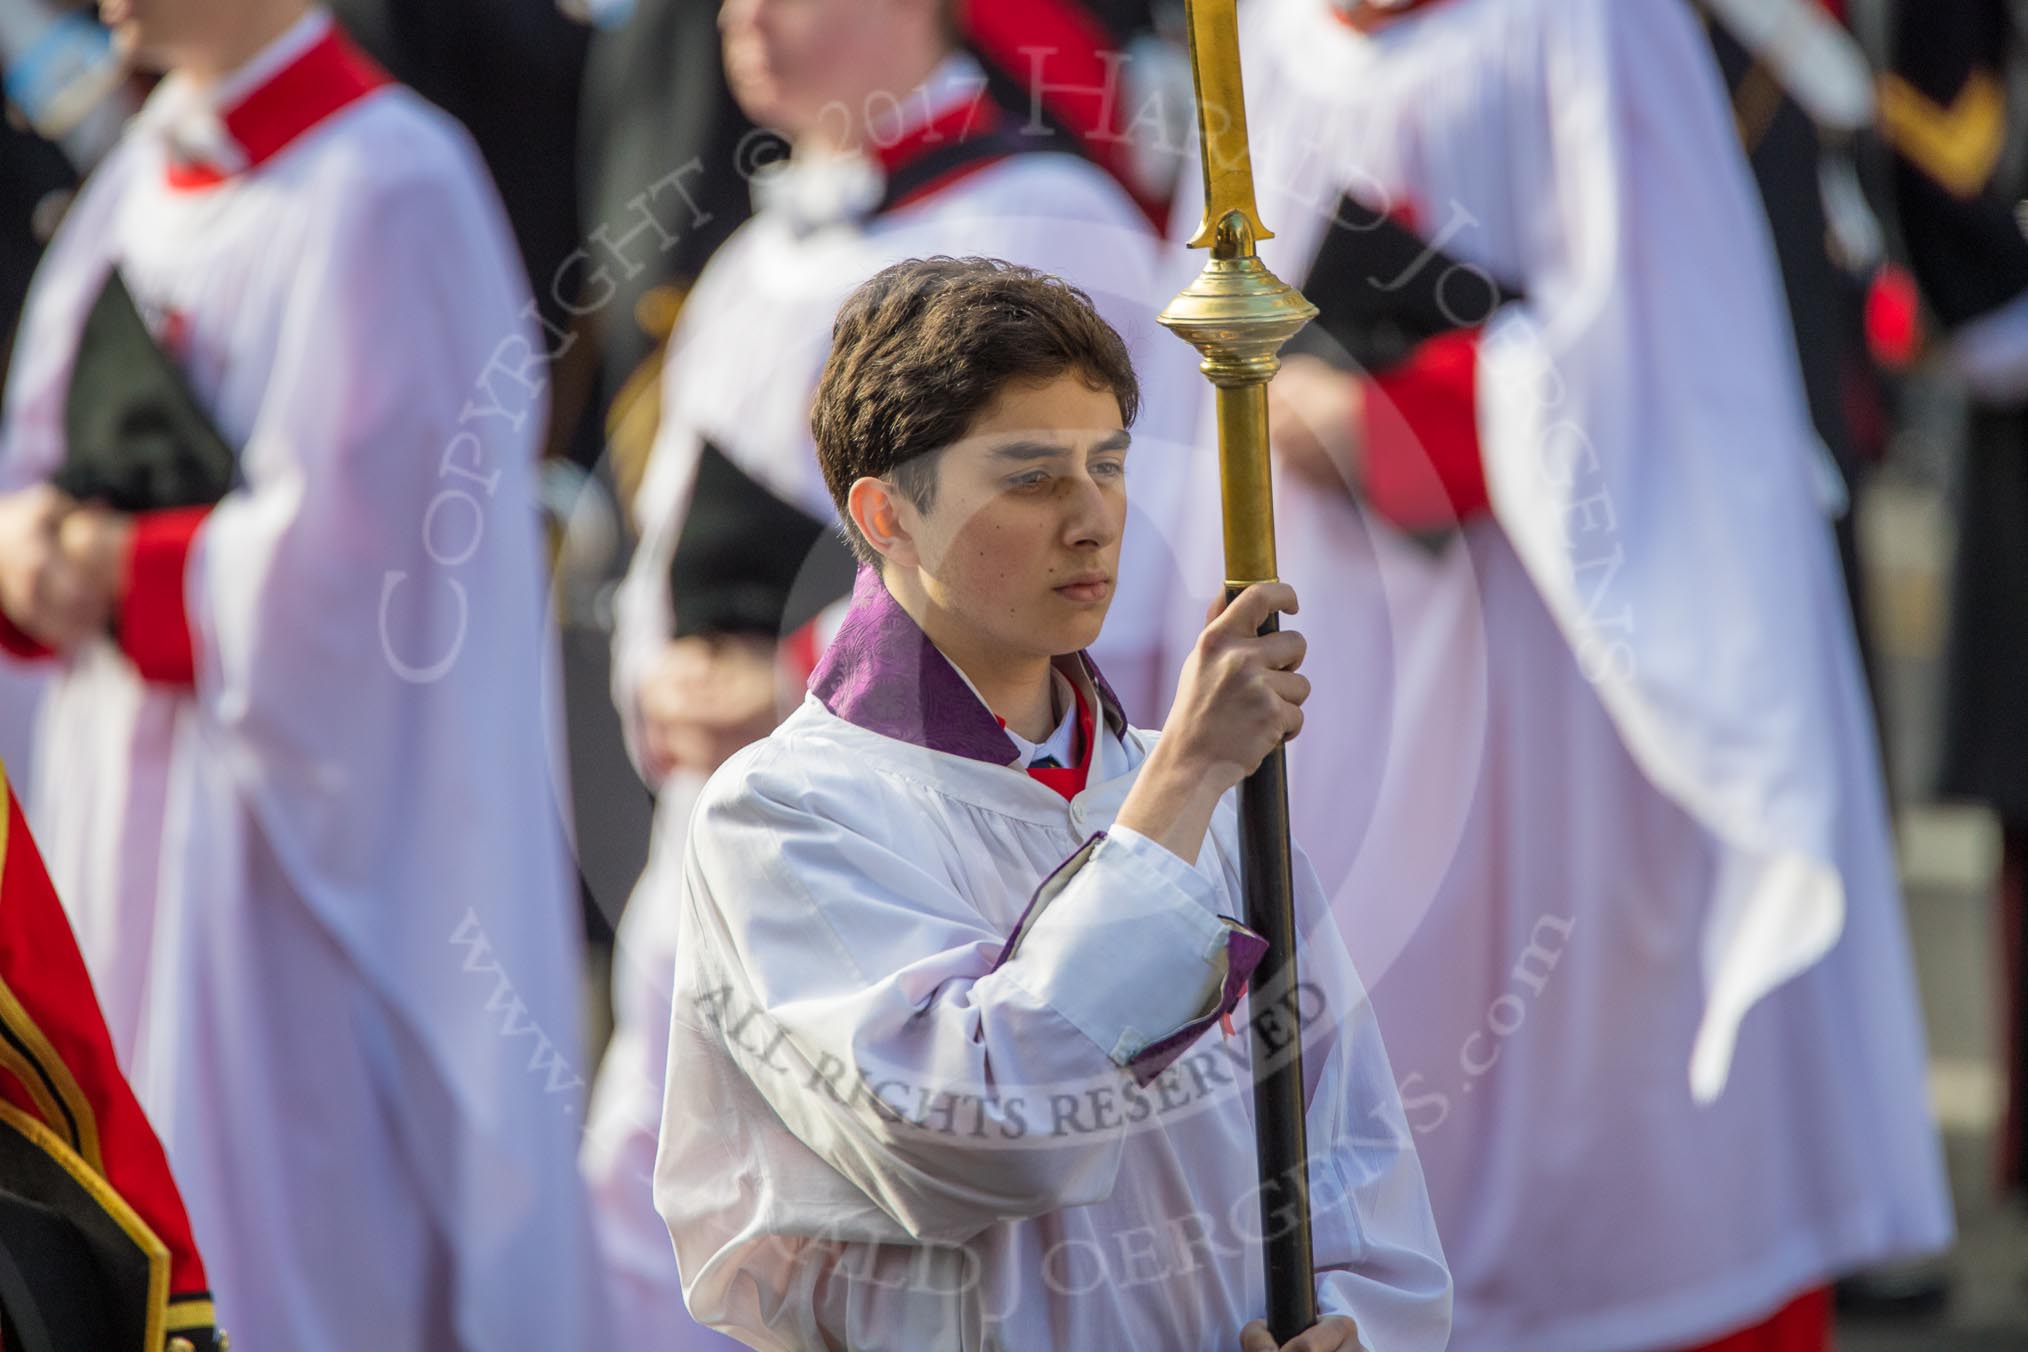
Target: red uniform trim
(154,627)
(1366,17)
(1421,436)
(52,1014)
(959,122)
(331,75)
(1803,1325)
(973,120)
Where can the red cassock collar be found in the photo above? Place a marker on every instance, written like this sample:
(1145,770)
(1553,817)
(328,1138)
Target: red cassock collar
(1367,15)
(330,75)
(950,147)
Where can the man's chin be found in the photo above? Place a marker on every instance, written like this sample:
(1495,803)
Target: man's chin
(1081,631)
(760,97)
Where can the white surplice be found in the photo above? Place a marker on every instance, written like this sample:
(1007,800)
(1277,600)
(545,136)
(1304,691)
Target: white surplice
(891,1124)
(743,365)
(325,895)
(1594,787)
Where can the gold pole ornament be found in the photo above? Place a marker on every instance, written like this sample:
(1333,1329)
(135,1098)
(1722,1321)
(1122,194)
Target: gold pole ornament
(1238,314)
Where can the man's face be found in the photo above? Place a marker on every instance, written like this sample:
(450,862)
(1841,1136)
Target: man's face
(793,63)
(161,35)
(153,32)
(1021,543)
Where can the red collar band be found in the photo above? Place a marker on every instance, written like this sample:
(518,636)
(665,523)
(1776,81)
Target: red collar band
(330,75)
(950,147)
(1365,15)
(974,117)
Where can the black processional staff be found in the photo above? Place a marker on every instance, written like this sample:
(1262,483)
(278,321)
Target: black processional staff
(1238,314)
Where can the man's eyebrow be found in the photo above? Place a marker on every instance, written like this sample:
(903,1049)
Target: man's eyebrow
(1030,450)
(1050,450)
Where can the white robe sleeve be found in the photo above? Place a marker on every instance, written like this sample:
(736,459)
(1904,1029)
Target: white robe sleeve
(878,990)
(1649,455)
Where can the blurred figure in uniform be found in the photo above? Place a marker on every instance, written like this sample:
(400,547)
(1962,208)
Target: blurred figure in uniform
(1950,110)
(95,1247)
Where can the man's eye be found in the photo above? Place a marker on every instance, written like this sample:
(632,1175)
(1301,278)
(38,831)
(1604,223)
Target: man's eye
(1030,480)
(1109,469)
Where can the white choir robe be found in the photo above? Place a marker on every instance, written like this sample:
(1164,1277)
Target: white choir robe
(943,1069)
(325,893)
(1636,945)
(742,368)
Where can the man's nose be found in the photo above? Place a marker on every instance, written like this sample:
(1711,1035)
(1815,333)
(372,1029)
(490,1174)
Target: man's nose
(1090,521)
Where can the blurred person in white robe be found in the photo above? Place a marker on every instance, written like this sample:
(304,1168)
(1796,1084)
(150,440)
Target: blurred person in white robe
(955,941)
(268,455)
(1595,787)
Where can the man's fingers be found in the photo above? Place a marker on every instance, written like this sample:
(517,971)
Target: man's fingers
(1282,650)
(1250,609)
(1291,686)
(1336,1334)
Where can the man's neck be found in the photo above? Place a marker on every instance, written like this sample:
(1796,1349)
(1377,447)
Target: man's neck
(835,135)
(240,41)
(1016,686)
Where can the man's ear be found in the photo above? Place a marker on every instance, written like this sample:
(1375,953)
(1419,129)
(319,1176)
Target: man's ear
(882,516)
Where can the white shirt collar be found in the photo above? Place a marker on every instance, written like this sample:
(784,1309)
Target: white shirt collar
(1060,744)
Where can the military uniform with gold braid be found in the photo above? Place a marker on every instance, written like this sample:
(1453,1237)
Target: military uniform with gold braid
(96,1253)
(1951,110)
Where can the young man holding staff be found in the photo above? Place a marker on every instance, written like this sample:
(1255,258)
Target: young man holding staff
(951,937)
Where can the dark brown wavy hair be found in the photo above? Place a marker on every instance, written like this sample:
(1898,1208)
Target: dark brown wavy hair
(921,348)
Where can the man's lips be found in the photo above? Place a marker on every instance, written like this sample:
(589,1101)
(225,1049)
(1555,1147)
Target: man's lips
(1090,588)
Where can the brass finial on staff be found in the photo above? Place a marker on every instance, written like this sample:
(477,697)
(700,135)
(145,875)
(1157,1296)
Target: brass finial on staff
(1238,314)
